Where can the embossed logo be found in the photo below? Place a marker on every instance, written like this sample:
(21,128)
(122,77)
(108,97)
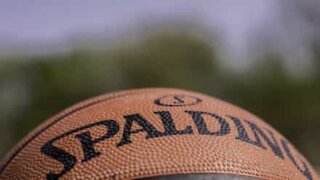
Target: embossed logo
(177,100)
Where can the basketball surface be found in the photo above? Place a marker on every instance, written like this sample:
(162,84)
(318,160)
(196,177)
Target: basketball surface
(154,132)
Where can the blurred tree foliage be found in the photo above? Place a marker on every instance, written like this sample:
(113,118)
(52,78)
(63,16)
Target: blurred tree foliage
(34,89)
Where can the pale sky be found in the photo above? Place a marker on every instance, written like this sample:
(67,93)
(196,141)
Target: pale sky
(51,23)
(37,20)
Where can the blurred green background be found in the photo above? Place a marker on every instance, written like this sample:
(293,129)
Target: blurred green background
(177,54)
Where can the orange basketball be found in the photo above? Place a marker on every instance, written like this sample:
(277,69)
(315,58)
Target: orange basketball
(154,132)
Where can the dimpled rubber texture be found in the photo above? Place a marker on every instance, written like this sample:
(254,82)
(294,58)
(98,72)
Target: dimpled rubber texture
(173,132)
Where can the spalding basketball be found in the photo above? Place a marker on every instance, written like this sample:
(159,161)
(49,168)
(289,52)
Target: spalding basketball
(150,133)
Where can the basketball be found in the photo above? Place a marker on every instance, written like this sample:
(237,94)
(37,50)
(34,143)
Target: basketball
(154,132)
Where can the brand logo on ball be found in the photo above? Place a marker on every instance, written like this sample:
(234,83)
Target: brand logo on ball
(244,131)
(177,100)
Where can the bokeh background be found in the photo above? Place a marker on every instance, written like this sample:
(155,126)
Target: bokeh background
(263,55)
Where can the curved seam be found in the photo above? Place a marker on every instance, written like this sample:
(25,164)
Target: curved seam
(181,169)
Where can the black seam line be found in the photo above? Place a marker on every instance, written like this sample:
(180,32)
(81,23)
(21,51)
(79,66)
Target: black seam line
(54,122)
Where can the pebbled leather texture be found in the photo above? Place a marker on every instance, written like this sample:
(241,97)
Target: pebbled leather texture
(154,132)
